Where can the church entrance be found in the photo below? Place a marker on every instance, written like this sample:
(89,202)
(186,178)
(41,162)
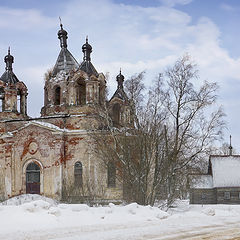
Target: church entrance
(33,178)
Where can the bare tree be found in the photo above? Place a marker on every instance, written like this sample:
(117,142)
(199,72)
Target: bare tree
(172,132)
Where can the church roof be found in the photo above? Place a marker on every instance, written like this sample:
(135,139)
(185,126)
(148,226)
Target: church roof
(120,94)
(9,77)
(88,68)
(65,61)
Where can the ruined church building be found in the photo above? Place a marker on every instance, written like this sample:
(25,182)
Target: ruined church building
(53,155)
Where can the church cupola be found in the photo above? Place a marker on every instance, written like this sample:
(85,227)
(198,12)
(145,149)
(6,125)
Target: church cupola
(13,93)
(65,61)
(8,76)
(62,36)
(86,65)
(120,94)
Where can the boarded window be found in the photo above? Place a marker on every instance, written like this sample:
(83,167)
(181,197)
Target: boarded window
(19,103)
(78,174)
(227,195)
(116,113)
(57,96)
(111,174)
(203,196)
(81,94)
(1,99)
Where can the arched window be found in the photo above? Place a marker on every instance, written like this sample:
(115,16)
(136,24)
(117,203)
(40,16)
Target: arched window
(78,174)
(81,93)
(1,99)
(116,113)
(57,96)
(111,171)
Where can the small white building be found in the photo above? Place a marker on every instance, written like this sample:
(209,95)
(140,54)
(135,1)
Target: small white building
(221,185)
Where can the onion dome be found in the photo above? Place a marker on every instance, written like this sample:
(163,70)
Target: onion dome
(62,36)
(86,49)
(120,79)
(8,76)
(9,59)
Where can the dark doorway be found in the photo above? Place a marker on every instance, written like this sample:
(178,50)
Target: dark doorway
(33,178)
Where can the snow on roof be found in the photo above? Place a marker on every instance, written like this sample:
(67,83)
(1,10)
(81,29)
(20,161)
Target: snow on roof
(48,125)
(202,181)
(226,171)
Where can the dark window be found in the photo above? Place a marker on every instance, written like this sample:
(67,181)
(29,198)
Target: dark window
(57,96)
(81,94)
(78,174)
(239,195)
(45,97)
(111,174)
(227,195)
(116,113)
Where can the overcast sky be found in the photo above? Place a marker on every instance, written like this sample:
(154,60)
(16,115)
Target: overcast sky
(135,35)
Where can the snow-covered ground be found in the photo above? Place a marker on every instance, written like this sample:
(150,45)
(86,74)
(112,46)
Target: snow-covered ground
(34,217)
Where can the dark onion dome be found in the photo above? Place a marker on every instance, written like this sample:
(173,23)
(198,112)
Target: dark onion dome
(86,49)
(120,79)
(62,36)
(8,76)
(9,59)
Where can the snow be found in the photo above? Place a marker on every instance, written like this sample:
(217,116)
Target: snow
(36,217)
(202,181)
(225,170)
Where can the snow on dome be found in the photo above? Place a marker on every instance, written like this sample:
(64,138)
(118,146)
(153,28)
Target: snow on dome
(226,171)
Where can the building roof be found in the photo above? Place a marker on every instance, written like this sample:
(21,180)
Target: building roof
(88,68)
(9,77)
(225,170)
(65,62)
(202,181)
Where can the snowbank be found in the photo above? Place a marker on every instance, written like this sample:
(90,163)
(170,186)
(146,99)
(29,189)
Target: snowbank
(36,215)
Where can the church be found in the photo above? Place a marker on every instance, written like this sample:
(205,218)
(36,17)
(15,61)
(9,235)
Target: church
(53,155)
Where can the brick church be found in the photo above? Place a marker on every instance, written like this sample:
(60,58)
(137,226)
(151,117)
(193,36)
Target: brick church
(53,155)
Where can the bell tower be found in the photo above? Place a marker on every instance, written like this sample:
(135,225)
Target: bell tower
(72,88)
(13,93)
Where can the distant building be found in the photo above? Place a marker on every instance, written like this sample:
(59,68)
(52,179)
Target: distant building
(53,155)
(221,185)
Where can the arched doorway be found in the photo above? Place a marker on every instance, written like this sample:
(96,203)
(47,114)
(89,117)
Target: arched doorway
(33,178)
